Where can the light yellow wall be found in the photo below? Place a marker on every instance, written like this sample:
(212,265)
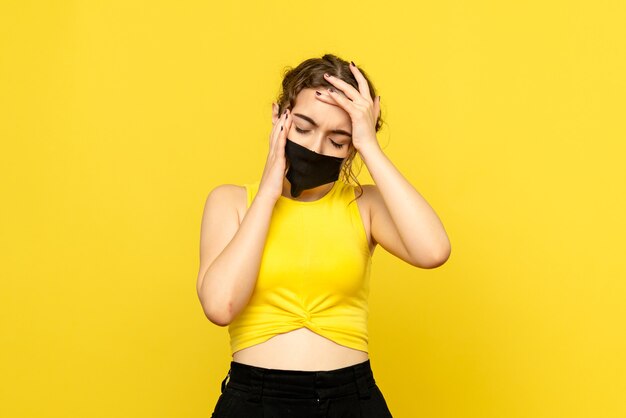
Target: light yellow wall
(117,118)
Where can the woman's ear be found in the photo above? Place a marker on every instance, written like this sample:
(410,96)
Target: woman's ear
(275,115)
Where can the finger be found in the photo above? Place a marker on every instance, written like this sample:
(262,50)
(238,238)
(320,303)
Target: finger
(347,89)
(377,109)
(276,129)
(283,140)
(364,88)
(279,125)
(325,97)
(285,132)
(342,101)
(282,135)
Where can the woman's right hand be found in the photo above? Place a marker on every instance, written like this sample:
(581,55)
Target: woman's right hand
(271,184)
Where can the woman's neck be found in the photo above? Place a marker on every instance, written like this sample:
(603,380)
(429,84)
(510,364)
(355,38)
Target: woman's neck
(308,195)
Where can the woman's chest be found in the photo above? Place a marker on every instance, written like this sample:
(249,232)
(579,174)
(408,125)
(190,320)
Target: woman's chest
(362,204)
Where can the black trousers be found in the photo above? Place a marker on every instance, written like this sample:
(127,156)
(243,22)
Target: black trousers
(257,392)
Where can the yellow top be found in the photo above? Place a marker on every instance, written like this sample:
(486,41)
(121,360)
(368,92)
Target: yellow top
(314,272)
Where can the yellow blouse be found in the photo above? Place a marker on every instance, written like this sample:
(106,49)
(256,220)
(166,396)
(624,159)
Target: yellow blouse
(314,272)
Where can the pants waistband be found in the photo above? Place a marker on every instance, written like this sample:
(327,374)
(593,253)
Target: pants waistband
(300,384)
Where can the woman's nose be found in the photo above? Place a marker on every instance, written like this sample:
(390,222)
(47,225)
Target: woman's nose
(315,144)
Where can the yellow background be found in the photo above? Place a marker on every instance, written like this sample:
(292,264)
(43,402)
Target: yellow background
(117,118)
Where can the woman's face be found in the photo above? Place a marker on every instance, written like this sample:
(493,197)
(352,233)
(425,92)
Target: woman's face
(318,126)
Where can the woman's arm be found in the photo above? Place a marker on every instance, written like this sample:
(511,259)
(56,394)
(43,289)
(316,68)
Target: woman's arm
(402,221)
(230,254)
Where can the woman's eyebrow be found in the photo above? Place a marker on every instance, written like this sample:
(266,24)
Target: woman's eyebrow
(312,122)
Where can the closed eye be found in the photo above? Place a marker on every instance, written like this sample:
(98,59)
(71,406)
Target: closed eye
(336,145)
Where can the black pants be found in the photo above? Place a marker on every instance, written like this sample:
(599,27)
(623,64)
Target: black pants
(256,392)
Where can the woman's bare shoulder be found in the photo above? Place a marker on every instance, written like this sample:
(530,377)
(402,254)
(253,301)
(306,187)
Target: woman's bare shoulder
(231,196)
(367,191)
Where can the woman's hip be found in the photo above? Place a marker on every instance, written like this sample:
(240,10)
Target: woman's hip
(251,391)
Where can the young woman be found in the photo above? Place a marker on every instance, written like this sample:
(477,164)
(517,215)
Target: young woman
(285,260)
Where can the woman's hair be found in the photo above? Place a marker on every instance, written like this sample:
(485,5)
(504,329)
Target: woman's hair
(310,74)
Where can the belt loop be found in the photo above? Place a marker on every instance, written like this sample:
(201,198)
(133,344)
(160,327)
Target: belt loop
(225,381)
(257,380)
(361,381)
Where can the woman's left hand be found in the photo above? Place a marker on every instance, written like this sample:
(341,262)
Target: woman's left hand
(363,111)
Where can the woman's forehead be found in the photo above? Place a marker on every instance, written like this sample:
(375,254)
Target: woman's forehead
(321,112)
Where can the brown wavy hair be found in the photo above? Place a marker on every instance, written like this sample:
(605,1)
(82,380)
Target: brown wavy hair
(310,74)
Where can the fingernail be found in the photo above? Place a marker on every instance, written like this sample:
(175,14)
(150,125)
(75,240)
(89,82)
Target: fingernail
(326,75)
(330,89)
(353,64)
(318,93)
(281,127)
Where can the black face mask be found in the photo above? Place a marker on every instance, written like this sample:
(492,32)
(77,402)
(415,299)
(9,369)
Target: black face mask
(308,169)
